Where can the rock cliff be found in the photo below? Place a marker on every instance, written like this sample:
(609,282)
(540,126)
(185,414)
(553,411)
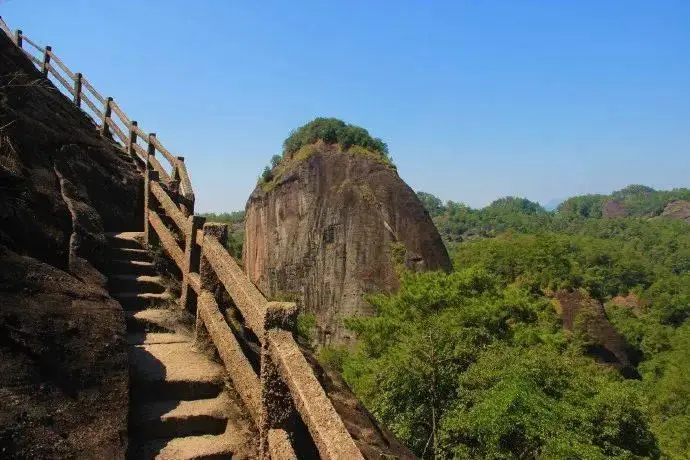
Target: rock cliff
(679,209)
(332,226)
(63,362)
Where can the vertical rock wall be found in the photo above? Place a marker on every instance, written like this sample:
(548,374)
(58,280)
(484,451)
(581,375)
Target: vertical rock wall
(332,228)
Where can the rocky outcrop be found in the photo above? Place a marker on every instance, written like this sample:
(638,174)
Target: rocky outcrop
(331,227)
(679,209)
(63,363)
(614,208)
(585,316)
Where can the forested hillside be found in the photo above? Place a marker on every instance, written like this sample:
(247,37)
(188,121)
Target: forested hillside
(558,335)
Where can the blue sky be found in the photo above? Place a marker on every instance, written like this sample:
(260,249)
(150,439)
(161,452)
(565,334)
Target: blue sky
(476,99)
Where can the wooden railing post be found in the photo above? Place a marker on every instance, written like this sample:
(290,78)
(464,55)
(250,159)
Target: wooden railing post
(46,61)
(77,89)
(132,138)
(208,279)
(175,173)
(192,259)
(186,206)
(148,198)
(107,111)
(18,38)
(277,406)
(150,150)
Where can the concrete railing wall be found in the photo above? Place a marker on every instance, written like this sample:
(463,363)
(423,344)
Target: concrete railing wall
(285,387)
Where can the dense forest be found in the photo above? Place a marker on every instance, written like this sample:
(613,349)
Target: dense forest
(477,363)
(509,356)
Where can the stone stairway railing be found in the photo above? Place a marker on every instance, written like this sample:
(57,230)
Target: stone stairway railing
(285,387)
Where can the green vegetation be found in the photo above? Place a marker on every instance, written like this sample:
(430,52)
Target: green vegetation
(235,221)
(306,322)
(637,200)
(476,363)
(333,131)
(323,133)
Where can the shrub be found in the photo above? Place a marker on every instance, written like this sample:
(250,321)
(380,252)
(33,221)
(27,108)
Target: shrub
(267,174)
(333,131)
(275,159)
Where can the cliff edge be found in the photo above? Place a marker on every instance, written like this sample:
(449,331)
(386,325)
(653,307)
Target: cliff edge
(63,361)
(331,226)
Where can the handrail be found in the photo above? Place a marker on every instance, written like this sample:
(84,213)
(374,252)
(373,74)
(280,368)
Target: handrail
(34,44)
(102,117)
(281,358)
(61,64)
(99,97)
(286,386)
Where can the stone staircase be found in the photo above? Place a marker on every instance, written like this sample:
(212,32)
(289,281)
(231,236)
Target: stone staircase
(179,405)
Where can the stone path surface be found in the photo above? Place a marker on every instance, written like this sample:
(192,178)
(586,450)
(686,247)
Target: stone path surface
(180,407)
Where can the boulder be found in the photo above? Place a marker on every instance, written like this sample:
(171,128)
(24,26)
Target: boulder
(331,227)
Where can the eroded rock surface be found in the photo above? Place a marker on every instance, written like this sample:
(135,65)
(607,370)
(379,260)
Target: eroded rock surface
(332,228)
(63,363)
(582,314)
(679,209)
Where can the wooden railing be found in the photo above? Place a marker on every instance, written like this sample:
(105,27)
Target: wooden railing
(110,119)
(285,388)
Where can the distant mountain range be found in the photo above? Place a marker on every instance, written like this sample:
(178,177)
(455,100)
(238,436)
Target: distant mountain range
(553,204)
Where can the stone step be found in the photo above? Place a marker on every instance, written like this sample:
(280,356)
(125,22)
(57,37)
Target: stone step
(174,419)
(125,239)
(190,448)
(160,320)
(171,371)
(149,338)
(141,300)
(135,283)
(129,253)
(131,267)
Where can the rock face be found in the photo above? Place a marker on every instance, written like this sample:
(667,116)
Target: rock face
(63,362)
(679,209)
(581,313)
(331,228)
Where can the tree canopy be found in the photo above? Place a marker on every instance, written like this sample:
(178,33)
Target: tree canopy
(477,363)
(333,131)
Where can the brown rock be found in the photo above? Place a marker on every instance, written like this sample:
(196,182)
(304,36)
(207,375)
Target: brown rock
(581,313)
(614,208)
(331,228)
(63,363)
(679,209)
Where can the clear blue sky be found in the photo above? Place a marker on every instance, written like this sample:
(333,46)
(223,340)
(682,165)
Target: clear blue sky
(476,99)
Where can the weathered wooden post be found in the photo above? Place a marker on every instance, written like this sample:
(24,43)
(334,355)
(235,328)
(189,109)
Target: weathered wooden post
(209,280)
(150,150)
(77,89)
(46,61)
(192,256)
(175,173)
(148,198)
(132,138)
(278,413)
(185,204)
(174,189)
(18,38)
(107,111)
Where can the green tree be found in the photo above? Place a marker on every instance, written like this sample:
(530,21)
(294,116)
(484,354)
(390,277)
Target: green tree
(431,203)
